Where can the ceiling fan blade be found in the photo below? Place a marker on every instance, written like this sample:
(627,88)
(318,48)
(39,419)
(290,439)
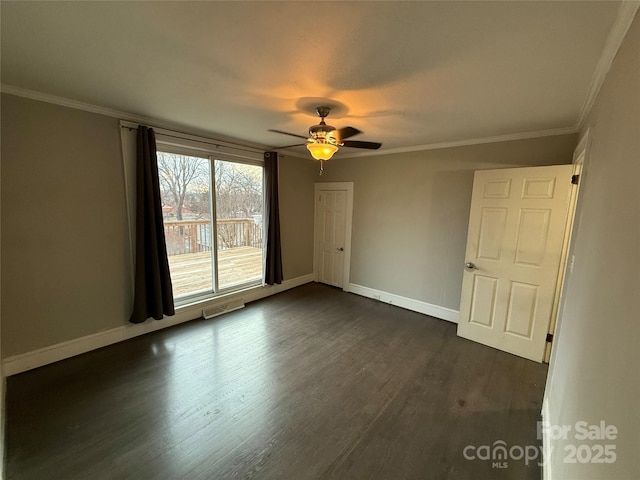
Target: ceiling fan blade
(346,132)
(287,133)
(357,144)
(289,146)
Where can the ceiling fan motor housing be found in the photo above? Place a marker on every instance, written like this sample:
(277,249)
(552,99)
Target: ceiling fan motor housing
(322,130)
(325,139)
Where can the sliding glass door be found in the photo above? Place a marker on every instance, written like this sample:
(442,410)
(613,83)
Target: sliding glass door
(239,207)
(212,210)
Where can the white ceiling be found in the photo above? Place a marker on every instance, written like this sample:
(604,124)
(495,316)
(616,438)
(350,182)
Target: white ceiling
(405,73)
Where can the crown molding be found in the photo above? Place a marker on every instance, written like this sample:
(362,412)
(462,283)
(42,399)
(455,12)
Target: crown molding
(66,102)
(624,19)
(130,117)
(126,116)
(456,143)
(626,13)
(468,142)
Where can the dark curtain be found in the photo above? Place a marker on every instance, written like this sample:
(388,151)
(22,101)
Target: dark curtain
(153,291)
(273,260)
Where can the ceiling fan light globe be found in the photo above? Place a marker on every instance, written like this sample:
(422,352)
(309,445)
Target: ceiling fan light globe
(322,151)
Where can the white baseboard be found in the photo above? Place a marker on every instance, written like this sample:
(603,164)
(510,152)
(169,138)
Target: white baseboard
(436,311)
(60,351)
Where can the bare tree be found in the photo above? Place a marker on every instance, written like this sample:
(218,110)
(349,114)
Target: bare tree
(177,173)
(199,203)
(238,190)
(185,182)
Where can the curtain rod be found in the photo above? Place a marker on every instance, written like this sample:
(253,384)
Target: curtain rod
(248,149)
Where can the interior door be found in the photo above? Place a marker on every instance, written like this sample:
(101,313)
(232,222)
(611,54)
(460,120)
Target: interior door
(514,246)
(332,215)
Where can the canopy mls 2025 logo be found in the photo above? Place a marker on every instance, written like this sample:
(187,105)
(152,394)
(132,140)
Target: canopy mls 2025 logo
(590,443)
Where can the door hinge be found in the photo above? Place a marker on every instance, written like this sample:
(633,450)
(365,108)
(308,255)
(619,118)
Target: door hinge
(575,179)
(549,337)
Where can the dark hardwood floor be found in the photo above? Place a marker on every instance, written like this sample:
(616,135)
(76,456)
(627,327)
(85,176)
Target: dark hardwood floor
(310,383)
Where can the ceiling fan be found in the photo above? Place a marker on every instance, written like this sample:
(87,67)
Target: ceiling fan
(324,140)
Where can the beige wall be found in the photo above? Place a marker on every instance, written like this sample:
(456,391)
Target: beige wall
(296,215)
(65,251)
(411,212)
(595,367)
(64,270)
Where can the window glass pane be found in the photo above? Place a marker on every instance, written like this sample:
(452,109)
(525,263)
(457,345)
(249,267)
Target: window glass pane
(239,206)
(185,187)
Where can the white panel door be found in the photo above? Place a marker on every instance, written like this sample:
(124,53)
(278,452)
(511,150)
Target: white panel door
(331,222)
(514,246)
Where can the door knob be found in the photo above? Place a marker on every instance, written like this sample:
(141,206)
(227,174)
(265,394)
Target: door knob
(469,266)
(340,249)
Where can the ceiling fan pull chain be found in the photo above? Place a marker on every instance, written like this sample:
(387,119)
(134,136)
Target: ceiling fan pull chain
(321,167)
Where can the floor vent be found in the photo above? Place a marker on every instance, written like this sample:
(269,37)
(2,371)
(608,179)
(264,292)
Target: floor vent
(220,309)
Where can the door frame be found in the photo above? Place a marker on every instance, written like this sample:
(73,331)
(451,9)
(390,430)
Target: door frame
(581,159)
(566,264)
(343,186)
